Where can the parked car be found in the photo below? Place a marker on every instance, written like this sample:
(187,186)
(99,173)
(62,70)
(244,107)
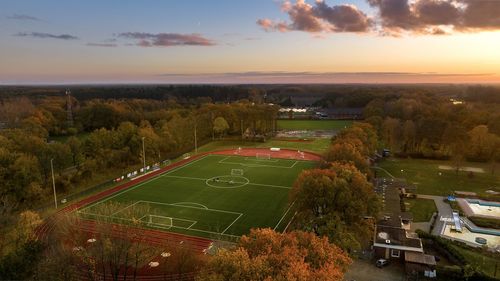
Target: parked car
(381,263)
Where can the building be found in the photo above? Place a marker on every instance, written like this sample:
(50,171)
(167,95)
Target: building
(393,239)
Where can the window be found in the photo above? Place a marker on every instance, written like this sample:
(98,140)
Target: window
(395,253)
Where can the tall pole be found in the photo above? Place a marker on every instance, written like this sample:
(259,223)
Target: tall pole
(143,154)
(195,140)
(53,180)
(241,128)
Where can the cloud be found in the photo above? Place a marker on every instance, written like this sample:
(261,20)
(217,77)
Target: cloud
(433,16)
(23,17)
(102,45)
(319,18)
(46,35)
(393,17)
(167,39)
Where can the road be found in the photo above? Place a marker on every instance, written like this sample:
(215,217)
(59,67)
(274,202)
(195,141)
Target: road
(444,210)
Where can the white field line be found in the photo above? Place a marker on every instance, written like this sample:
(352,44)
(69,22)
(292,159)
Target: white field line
(178,227)
(190,203)
(194,222)
(224,161)
(284,215)
(250,183)
(181,177)
(140,184)
(192,207)
(122,209)
(261,160)
(231,223)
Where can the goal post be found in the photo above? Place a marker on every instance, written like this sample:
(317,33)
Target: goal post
(263,156)
(160,221)
(236,172)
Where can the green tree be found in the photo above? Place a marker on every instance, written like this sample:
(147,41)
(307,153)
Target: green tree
(335,202)
(220,126)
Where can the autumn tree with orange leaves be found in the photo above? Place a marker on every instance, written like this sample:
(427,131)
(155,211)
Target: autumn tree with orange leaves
(267,255)
(337,202)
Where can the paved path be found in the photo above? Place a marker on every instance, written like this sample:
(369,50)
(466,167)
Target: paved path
(444,210)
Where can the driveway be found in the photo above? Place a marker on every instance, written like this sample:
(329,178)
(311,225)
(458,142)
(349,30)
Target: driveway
(363,270)
(444,210)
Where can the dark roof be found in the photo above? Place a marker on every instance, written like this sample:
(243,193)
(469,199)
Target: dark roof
(343,111)
(397,236)
(420,258)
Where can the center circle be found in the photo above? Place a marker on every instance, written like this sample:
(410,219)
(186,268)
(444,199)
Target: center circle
(227,181)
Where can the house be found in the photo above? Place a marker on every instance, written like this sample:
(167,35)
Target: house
(393,238)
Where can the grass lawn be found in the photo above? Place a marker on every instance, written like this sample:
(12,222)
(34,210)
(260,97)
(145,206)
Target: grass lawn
(431,180)
(318,145)
(485,263)
(313,124)
(205,198)
(422,209)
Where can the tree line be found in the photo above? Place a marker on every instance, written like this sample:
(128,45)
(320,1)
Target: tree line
(106,136)
(432,126)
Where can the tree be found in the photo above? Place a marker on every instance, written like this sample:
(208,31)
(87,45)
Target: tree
(391,131)
(267,255)
(220,126)
(482,143)
(335,202)
(348,152)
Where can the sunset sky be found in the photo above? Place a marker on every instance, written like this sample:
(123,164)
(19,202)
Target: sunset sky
(257,41)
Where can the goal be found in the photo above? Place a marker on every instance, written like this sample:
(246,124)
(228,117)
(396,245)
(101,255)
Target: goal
(159,221)
(263,156)
(236,172)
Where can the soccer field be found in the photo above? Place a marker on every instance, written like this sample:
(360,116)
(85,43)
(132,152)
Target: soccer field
(216,196)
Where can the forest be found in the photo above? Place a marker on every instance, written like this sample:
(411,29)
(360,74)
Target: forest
(102,135)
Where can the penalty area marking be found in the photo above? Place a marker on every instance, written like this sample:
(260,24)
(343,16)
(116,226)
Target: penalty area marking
(174,226)
(186,204)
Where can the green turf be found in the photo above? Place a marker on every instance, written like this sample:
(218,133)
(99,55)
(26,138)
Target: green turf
(425,174)
(203,198)
(313,124)
(483,262)
(422,209)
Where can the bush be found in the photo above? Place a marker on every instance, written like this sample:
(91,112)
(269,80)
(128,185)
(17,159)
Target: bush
(484,222)
(453,272)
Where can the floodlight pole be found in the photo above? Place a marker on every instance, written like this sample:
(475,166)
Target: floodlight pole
(143,154)
(195,139)
(53,180)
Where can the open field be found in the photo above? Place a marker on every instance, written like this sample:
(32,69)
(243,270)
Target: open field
(313,124)
(216,196)
(485,263)
(318,145)
(422,209)
(429,179)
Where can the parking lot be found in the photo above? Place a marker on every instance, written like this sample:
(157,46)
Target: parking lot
(364,270)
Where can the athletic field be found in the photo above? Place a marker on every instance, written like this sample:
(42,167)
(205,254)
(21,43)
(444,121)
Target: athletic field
(314,124)
(215,196)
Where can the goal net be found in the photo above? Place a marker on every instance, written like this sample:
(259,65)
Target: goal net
(236,172)
(159,221)
(264,156)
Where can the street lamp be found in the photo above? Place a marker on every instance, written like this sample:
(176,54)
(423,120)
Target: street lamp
(53,180)
(143,154)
